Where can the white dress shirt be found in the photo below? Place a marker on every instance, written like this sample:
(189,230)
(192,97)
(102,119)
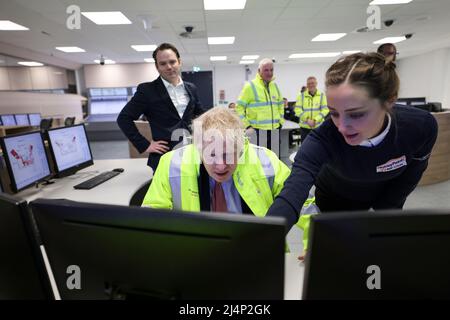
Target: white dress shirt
(178,95)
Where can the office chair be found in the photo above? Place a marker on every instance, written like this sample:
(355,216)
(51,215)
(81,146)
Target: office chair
(138,197)
(69,121)
(46,124)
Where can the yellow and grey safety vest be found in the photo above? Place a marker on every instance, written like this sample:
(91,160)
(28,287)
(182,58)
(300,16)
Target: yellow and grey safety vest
(310,107)
(261,106)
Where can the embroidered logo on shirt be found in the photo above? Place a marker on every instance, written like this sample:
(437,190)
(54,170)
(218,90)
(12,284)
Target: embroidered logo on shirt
(194,193)
(392,164)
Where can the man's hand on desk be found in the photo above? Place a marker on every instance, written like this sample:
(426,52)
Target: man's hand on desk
(158,147)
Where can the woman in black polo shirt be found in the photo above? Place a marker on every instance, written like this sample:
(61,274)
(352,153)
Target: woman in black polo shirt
(370,153)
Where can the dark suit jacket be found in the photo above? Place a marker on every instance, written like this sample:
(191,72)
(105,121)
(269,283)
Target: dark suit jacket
(152,100)
(204,193)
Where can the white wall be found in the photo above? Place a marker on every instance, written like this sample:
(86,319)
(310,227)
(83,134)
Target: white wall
(32,78)
(119,75)
(426,75)
(289,78)
(49,105)
(230,79)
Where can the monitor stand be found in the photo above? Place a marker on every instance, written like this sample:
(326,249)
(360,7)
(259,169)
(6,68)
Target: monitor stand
(44,183)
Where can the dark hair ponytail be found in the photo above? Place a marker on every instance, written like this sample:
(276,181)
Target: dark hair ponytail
(370,71)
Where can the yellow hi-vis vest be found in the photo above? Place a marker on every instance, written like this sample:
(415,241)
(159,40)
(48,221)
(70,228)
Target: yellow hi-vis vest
(261,106)
(310,107)
(259,178)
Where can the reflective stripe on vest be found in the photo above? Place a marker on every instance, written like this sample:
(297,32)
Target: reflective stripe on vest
(254,91)
(175,177)
(267,166)
(264,121)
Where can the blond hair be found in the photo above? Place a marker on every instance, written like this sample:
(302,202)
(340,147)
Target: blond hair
(220,122)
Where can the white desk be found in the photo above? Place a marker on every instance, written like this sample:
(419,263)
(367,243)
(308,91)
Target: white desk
(293,277)
(292,157)
(117,191)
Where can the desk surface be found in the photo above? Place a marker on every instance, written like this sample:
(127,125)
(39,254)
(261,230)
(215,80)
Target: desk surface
(289,125)
(293,277)
(136,174)
(292,156)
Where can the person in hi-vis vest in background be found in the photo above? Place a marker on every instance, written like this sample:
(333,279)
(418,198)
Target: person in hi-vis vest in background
(311,108)
(261,108)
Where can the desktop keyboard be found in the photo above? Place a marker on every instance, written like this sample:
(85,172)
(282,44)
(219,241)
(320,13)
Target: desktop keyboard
(95,181)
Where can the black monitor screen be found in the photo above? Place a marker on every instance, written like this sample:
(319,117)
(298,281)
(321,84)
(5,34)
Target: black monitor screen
(70,149)
(35,119)
(8,120)
(22,271)
(130,252)
(381,255)
(411,101)
(22,119)
(25,158)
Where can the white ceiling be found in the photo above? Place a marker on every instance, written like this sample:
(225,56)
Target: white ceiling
(269,28)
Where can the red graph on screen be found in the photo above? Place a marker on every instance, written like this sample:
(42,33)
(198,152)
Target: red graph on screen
(24,156)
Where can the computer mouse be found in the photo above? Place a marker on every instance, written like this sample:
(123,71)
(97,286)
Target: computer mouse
(118,170)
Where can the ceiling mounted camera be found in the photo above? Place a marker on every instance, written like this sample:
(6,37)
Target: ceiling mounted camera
(389,22)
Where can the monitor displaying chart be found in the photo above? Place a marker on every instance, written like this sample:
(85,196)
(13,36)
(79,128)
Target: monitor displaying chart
(70,148)
(35,119)
(8,120)
(22,119)
(26,159)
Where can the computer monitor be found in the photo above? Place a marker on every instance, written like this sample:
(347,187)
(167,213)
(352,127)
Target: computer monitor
(379,255)
(411,101)
(35,119)
(25,158)
(8,120)
(22,119)
(22,270)
(70,150)
(125,252)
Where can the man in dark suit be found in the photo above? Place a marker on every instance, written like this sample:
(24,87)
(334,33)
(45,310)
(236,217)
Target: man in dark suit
(168,103)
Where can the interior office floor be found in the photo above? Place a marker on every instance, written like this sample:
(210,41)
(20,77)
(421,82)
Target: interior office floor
(423,197)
